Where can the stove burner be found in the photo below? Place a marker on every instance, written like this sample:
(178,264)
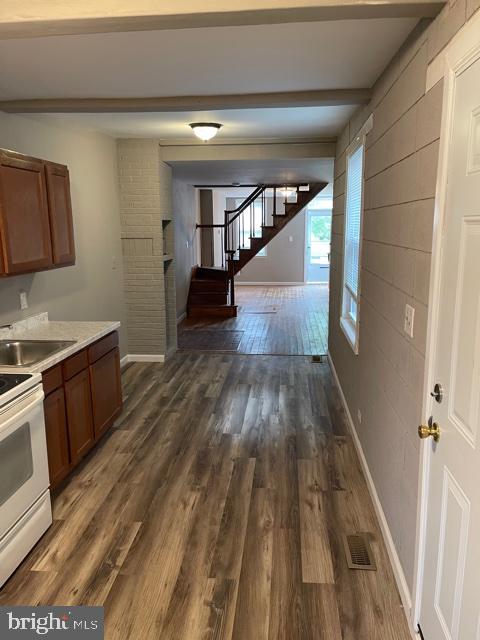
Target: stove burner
(10,380)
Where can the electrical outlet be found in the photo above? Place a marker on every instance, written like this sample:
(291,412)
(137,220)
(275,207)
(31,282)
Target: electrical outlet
(359,416)
(23,300)
(409,318)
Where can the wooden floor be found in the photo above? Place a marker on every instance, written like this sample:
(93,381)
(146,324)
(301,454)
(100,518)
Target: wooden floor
(280,320)
(215,509)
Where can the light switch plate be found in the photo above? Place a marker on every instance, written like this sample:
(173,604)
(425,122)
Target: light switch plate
(409,319)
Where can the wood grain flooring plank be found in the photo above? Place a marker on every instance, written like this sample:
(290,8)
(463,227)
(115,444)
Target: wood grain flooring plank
(285,478)
(319,603)
(253,600)
(317,565)
(285,617)
(227,560)
(219,625)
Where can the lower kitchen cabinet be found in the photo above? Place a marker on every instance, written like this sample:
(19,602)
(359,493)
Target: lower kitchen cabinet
(78,401)
(83,396)
(57,438)
(106,391)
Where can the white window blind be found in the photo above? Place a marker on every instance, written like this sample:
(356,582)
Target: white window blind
(353,209)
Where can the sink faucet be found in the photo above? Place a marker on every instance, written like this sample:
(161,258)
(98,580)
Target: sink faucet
(6,326)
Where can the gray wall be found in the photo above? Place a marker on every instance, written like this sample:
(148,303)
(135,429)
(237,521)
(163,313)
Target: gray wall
(385,381)
(92,289)
(185,212)
(285,259)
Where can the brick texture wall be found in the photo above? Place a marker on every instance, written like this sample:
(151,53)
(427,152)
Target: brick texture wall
(145,208)
(384,383)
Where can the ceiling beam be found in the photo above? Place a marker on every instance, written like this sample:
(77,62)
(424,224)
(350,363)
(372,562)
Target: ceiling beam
(229,152)
(318,98)
(63,17)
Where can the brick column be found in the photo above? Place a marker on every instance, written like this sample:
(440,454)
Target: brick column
(145,208)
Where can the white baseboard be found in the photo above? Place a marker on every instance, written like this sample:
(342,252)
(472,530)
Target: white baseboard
(181,317)
(132,357)
(268,284)
(400,579)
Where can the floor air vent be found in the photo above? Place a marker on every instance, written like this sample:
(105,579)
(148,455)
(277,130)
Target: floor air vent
(358,552)
(320,359)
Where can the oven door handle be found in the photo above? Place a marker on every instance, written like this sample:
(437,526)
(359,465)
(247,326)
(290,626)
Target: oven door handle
(16,416)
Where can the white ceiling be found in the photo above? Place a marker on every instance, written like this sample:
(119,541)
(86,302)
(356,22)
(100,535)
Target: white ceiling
(302,122)
(218,60)
(209,61)
(254,171)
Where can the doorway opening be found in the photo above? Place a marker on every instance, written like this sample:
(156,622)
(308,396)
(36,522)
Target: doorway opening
(282,293)
(318,228)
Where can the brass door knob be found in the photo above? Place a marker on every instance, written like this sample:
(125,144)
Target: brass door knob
(433,430)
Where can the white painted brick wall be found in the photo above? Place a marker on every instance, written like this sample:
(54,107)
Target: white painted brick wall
(145,200)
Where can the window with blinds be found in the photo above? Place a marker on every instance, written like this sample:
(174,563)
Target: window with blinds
(352,219)
(352,243)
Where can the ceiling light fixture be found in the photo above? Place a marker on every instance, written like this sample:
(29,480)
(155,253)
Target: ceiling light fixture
(205,130)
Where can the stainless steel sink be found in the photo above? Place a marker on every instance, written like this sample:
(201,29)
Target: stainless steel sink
(24,353)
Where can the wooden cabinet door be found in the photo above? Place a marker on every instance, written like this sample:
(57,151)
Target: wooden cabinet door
(79,415)
(60,209)
(24,220)
(57,438)
(106,391)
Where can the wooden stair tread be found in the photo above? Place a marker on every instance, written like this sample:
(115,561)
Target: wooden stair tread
(212,310)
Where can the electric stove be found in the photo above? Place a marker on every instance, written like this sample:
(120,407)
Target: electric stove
(10,380)
(13,385)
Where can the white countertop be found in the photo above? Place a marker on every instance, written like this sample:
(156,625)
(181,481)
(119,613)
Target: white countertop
(41,328)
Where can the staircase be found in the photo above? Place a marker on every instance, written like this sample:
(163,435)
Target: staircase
(246,230)
(208,294)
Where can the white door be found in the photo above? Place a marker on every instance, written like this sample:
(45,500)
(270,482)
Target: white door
(317,257)
(451,592)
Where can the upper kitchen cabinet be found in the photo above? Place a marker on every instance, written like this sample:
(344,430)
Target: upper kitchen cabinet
(60,208)
(36,227)
(24,219)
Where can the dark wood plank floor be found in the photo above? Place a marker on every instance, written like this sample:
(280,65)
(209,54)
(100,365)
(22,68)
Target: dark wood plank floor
(214,510)
(279,320)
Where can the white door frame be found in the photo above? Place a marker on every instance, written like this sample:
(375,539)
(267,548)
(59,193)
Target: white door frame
(462,51)
(305,249)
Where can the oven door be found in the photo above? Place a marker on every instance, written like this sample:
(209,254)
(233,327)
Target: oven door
(23,457)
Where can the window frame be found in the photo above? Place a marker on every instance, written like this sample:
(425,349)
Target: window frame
(351,303)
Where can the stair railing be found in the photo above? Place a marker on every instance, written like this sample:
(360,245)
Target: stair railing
(241,224)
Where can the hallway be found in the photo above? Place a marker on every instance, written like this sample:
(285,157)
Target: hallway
(215,509)
(272,320)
